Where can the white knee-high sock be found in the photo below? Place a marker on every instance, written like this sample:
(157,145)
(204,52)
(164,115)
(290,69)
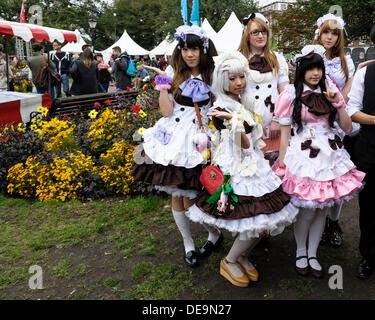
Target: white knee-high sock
(315,234)
(183,225)
(213,232)
(301,230)
(239,247)
(335,212)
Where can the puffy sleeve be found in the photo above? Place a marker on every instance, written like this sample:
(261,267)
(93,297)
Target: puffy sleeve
(284,107)
(351,67)
(283,75)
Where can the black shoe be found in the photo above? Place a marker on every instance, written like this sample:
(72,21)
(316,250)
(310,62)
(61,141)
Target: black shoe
(302,271)
(364,270)
(336,234)
(191,259)
(326,236)
(209,247)
(315,272)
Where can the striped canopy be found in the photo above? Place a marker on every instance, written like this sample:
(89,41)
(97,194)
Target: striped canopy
(27,32)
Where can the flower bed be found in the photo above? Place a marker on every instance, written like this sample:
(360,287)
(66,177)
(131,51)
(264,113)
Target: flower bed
(83,156)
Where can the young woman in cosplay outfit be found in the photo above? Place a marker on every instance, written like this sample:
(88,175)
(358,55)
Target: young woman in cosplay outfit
(317,171)
(268,69)
(174,156)
(250,202)
(339,72)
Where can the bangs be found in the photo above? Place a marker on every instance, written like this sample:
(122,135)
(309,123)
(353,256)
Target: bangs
(331,25)
(260,24)
(235,66)
(311,62)
(192,41)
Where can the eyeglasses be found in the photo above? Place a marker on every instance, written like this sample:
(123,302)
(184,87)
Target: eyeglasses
(256,33)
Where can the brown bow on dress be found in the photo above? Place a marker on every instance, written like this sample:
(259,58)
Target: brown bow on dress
(260,64)
(335,142)
(316,103)
(268,102)
(313,151)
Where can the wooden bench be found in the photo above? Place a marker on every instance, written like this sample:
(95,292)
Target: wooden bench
(86,103)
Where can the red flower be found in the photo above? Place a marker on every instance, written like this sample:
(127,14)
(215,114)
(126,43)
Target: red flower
(153,83)
(97,105)
(65,118)
(108,102)
(127,89)
(136,108)
(4,139)
(145,87)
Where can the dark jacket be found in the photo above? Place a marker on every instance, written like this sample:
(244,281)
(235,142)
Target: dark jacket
(85,80)
(62,61)
(119,72)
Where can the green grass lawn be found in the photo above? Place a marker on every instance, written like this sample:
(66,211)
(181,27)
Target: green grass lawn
(130,248)
(90,246)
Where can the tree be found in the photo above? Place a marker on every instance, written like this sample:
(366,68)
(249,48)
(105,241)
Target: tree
(295,27)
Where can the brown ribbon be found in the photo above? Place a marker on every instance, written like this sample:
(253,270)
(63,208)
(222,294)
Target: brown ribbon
(313,151)
(260,64)
(336,142)
(316,104)
(268,102)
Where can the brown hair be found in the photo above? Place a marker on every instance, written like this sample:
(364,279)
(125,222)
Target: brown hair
(338,49)
(87,58)
(268,54)
(182,72)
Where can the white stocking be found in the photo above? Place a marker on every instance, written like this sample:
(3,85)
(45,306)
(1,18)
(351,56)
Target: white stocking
(301,230)
(183,225)
(315,234)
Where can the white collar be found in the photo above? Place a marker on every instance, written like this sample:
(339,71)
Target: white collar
(199,76)
(307,88)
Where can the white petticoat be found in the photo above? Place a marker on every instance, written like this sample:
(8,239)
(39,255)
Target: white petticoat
(252,227)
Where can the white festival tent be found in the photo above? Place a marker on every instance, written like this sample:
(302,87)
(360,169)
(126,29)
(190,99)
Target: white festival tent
(160,49)
(126,43)
(211,33)
(74,47)
(229,36)
(171,48)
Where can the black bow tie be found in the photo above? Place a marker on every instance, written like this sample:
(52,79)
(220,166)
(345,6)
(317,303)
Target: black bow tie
(313,151)
(335,142)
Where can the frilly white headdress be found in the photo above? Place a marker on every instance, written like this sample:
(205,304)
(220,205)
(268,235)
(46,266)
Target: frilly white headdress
(222,61)
(183,31)
(307,50)
(338,21)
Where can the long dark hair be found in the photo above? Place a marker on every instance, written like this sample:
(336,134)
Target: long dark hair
(182,71)
(307,63)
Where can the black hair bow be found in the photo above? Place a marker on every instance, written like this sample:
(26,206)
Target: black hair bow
(313,151)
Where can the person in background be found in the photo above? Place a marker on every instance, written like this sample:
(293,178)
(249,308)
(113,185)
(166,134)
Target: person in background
(3,71)
(85,74)
(104,76)
(62,61)
(38,64)
(119,67)
(361,108)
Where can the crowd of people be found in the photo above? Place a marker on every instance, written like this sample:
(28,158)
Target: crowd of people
(63,72)
(224,179)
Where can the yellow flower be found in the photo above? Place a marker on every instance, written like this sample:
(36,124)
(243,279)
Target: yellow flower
(258,117)
(141,131)
(142,114)
(43,111)
(34,127)
(93,114)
